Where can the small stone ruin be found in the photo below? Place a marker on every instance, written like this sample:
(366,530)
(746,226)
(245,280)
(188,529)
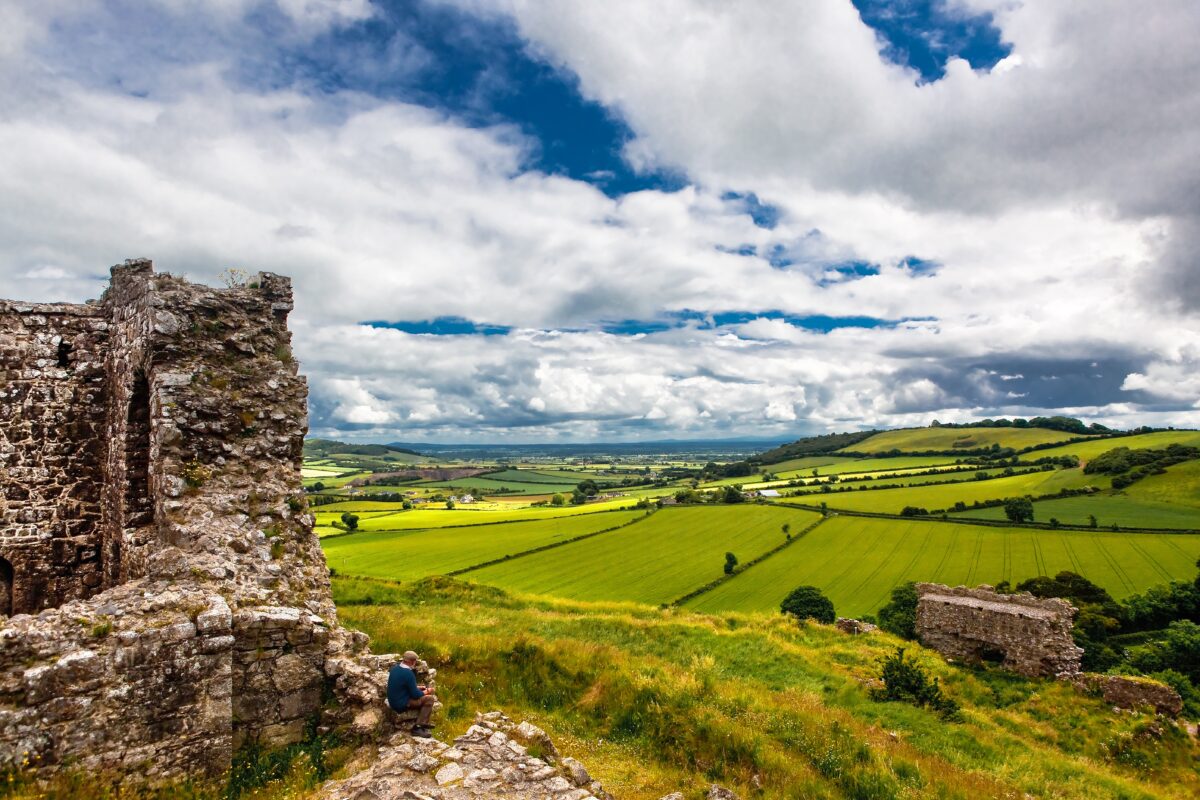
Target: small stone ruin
(1021,632)
(163,597)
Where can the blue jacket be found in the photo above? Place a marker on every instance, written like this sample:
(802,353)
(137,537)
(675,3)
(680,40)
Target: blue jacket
(402,687)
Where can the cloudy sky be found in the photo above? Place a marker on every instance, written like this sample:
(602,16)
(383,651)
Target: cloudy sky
(530,220)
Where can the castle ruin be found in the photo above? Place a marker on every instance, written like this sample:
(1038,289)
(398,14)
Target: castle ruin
(163,597)
(1023,633)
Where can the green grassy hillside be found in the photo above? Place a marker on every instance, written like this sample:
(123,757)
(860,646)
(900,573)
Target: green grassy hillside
(1180,484)
(657,701)
(917,440)
(656,560)
(856,561)
(1086,451)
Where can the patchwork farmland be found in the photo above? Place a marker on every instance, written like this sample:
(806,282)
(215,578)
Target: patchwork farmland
(660,555)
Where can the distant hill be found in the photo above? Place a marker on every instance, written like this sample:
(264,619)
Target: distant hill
(969,438)
(813,445)
(962,440)
(322,448)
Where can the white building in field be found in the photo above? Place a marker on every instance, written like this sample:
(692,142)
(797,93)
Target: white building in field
(769,493)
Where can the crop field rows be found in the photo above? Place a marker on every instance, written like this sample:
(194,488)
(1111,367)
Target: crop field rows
(405,555)
(856,561)
(654,561)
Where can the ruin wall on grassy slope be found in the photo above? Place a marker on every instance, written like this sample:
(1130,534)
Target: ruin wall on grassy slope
(1024,633)
(163,597)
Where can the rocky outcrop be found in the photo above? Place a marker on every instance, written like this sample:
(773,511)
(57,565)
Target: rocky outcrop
(1132,692)
(854,626)
(1024,633)
(495,758)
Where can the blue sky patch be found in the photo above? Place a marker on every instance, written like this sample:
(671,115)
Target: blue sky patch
(848,271)
(924,34)
(764,215)
(478,69)
(920,266)
(813,322)
(441,326)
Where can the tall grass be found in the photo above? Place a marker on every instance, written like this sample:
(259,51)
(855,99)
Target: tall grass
(663,699)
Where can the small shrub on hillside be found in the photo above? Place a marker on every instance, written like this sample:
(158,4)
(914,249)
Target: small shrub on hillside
(899,616)
(350,520)
(913,511)
(731,563)
(807,602)
(906,681)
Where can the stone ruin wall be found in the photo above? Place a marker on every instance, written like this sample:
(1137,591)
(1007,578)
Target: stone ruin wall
(170,598)
(1030,635)
(52,401)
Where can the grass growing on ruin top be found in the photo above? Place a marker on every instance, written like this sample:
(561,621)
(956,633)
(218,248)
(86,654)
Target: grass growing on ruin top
(658,700)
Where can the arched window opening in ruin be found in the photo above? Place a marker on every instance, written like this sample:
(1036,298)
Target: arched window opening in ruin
(64,354)
(992,655)
(139,509)
(6,587)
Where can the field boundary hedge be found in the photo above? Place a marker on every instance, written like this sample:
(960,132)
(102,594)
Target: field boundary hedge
(708,587)
(544,547)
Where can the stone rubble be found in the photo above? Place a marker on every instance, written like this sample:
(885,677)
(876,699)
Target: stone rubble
(495,758)
(854,626)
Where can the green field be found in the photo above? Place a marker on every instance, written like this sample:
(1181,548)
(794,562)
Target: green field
(923,439)
(416,554)
(840,466)
(856,561)
(656,560)
(1180,484)
(489,486)
(1109,509)
(905,480)
(892,501)
(443,518)
(1086,451)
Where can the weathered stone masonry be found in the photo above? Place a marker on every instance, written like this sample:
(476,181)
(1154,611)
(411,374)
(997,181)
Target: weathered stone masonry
(1027,634)
(168,597)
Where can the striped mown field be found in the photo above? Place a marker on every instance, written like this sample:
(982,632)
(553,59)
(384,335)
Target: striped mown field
(653,561)
(405,555)
(857,560)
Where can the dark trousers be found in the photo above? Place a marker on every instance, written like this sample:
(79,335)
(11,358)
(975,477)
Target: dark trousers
(425,706)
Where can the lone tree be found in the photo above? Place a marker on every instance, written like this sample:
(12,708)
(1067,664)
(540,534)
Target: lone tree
(900,615)
(807,602)
(730,563)
(350,520)
(557,499)
(1018,509)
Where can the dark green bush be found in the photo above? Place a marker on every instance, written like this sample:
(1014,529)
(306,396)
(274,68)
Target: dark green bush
(807,602)
(899,616)
(905,681)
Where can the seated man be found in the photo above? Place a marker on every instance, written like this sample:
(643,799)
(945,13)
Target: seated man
(404,693)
